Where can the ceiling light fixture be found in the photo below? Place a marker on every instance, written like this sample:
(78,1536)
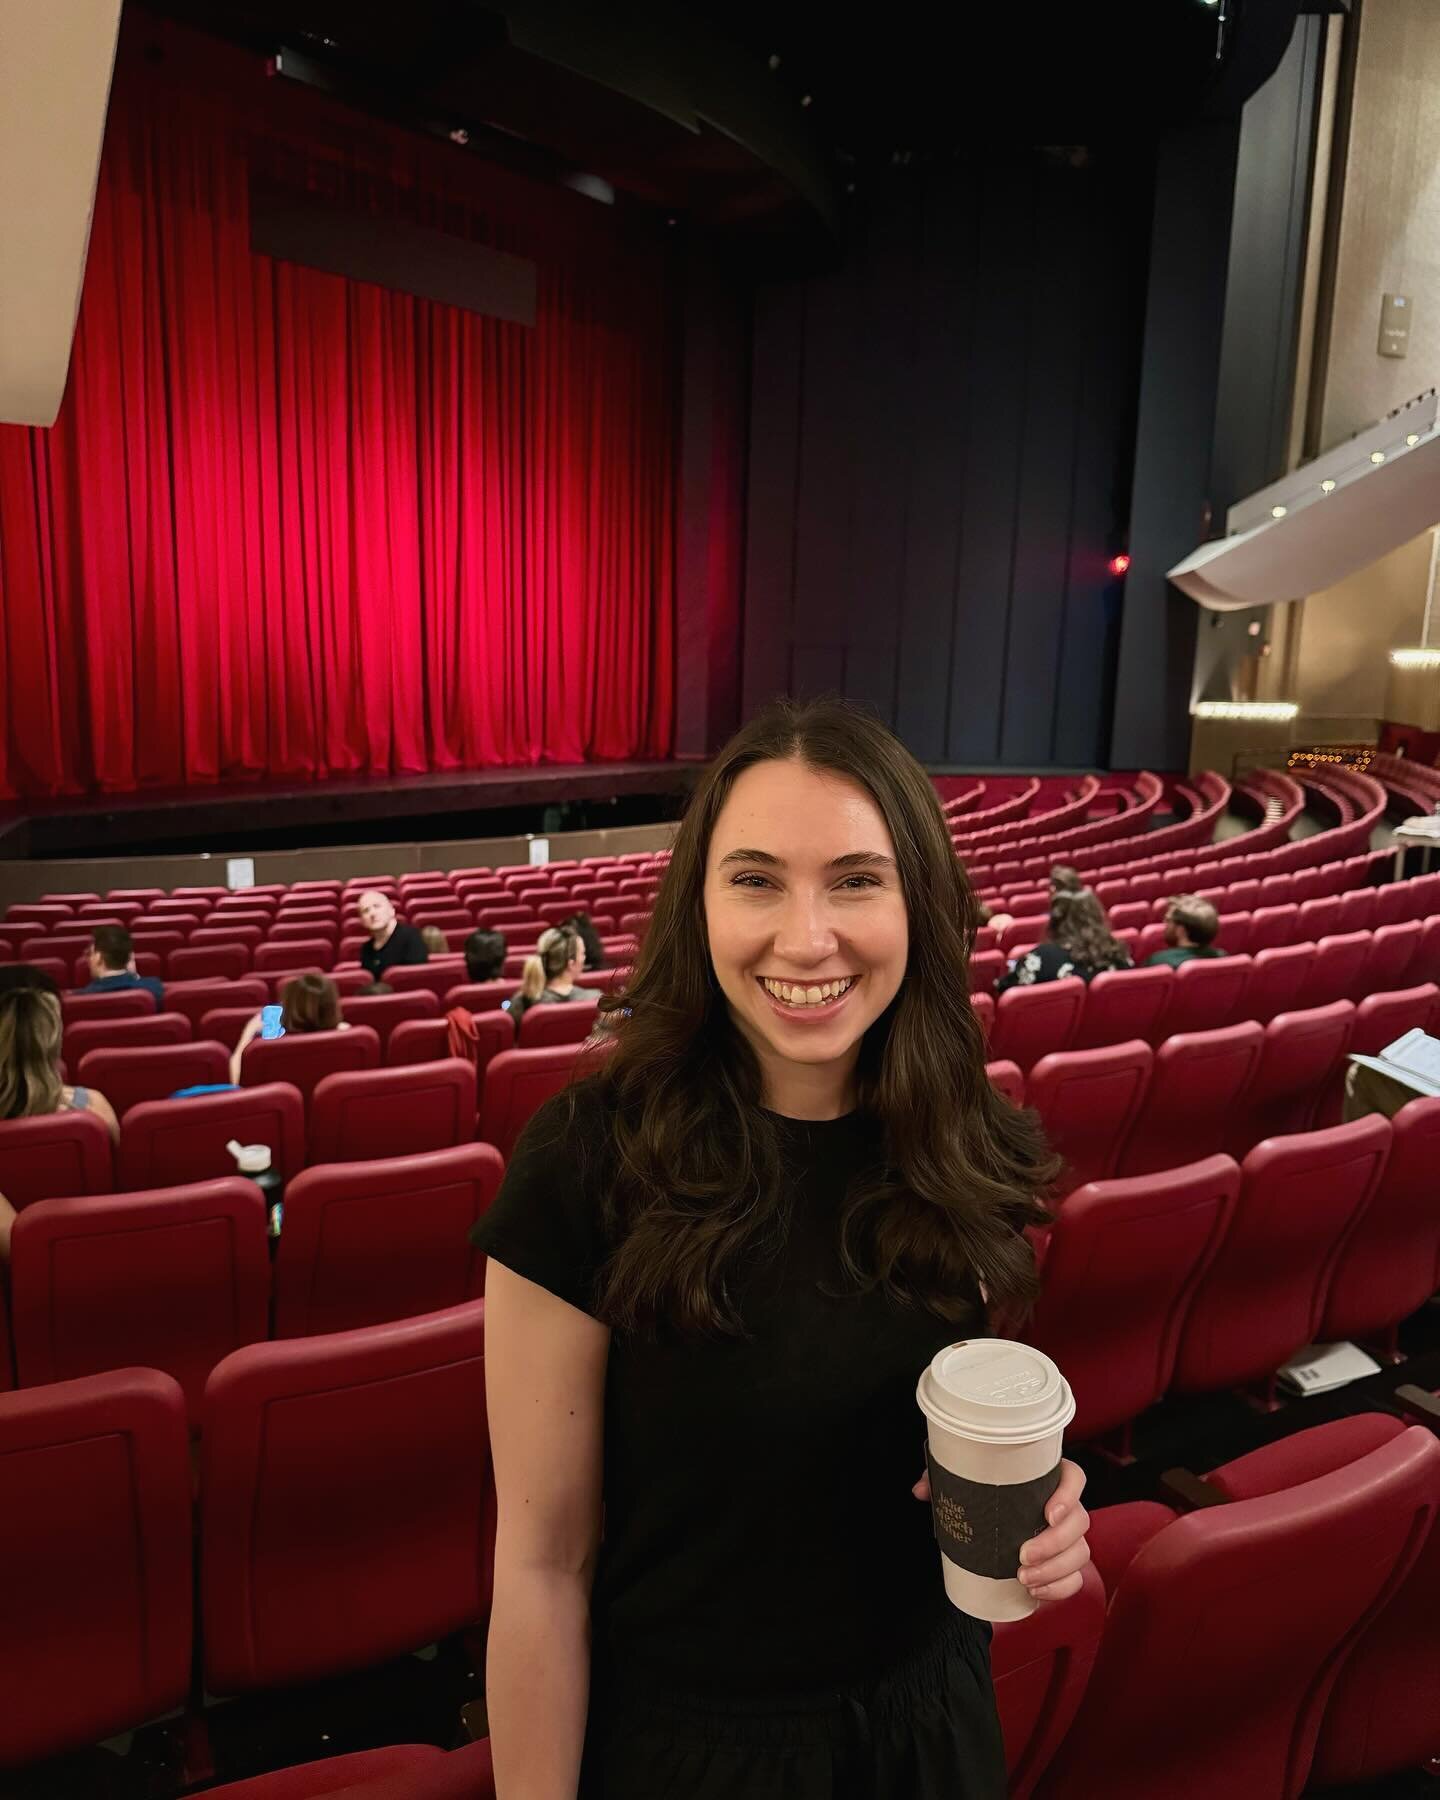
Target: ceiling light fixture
(1275,711)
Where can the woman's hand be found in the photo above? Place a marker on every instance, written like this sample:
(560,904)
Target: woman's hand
(1051,1562)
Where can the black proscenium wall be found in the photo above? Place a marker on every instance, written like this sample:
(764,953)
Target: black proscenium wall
(941,435)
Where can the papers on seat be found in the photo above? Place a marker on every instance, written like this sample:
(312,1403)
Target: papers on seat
(1320,1367)
(1413,1059)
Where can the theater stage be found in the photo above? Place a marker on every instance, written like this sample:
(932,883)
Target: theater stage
(353,810)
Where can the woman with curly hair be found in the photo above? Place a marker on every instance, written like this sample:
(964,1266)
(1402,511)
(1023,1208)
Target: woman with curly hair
(1079,943)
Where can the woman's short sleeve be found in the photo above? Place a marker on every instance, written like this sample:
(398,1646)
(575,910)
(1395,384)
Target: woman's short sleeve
(546,1222)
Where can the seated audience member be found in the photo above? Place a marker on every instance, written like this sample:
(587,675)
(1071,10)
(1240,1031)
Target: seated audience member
(390,941)
(308,1003)
(996,920)
(1064,880)
(485,953)
(594,950)
(1191,927)
(30,1035)
(1079,943)
(112,966)
(434,940)
(7,1222)
(549,978)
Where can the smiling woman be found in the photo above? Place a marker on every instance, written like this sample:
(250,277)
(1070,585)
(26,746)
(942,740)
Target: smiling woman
(716,1271)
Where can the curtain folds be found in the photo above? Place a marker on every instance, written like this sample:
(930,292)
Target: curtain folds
(293,525)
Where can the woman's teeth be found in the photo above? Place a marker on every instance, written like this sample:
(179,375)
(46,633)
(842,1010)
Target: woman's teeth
(789,994)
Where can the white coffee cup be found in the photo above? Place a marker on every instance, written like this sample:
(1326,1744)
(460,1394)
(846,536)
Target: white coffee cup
(997,1413)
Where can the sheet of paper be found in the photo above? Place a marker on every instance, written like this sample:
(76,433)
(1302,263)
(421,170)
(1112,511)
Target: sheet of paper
(240,872)
(1404,1076)
(1417,1053)
(539,850)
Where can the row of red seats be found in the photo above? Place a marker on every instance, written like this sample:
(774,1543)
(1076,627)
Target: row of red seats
(1271,1635)
(176,1278)
(351,1115)
(1128,1109)
(1267,848)
(220,1010)
(1146,900)
(1213,1274)
(1182,1619)
(383,1428)
(1114,1110)
(1202,994)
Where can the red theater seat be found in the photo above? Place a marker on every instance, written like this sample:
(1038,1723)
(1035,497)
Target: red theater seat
(1221,1647)
(98,1603)
(1208,993)
(196,998)
(56,1154)
(118,1034)
(479,996)
(1087,1101)
(571,1023)
(1337,969)
(1122,1263)
(305,1058)
(435,977)
(127,1077)
(303,933)
(1264,1296)
(171,1279)
(224,1024)
(1197,1079)
(123,1003)
(365,1243)
(428,1040)
(1272,927)
(392,1112)
(1277,976)
(383,1428)
(1380,1717)
(166,1142)
(208,962)
(516,1083)
(295,957)
(1122,1004)
(383,1012)
(1382,1017)
(1041,1667)
(986,968)
(1007,1078)
(397,1772)
(1302,1054)
(1030,1022)
(1393,950)
(1388,1265)
(211,937)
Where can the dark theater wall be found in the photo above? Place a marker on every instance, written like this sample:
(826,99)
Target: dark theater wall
(939,457)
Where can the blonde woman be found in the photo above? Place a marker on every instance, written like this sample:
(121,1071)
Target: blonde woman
(549,977)
(31,1029)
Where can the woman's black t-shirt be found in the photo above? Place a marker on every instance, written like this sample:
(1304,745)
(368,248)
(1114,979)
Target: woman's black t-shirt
(760,1532)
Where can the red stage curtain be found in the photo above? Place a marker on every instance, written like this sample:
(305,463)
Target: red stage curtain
(289,524)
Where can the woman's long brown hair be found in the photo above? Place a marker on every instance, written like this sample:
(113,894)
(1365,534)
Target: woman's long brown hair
(693,1178)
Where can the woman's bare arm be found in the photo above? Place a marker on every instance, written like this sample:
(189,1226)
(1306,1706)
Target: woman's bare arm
(252,1027)
(545,1394)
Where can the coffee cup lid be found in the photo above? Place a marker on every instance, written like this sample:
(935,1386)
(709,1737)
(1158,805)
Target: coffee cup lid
(996,1392)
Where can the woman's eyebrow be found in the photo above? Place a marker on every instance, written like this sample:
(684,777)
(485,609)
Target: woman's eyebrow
(752,856)
(854,859)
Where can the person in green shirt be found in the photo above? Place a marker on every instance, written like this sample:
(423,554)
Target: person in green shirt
(1191,927)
